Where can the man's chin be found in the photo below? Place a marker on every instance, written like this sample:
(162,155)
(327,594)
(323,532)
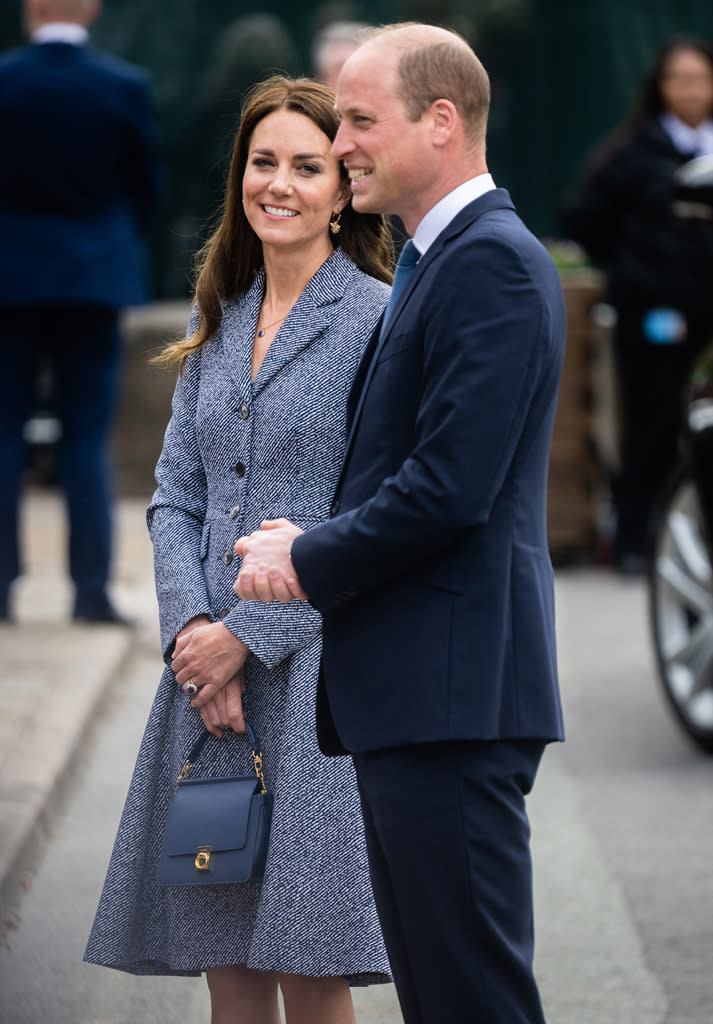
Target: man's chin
(365,204)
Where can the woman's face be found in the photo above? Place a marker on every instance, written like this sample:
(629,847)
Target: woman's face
(292,183)
(687,86)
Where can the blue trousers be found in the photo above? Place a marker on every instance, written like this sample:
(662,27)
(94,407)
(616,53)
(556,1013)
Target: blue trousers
(449,851)
(81,344)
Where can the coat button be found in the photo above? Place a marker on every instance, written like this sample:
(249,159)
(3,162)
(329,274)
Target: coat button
(334,510)
(227,556)
(244,410)
(240,468)
(235,512)
(224,612)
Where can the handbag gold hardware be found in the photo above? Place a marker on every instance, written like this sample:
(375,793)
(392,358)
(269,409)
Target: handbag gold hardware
(203,856)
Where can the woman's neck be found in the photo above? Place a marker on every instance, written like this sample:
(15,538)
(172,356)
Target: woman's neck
(286,276)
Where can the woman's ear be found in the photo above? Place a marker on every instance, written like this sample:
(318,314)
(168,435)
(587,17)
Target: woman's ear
(345,194)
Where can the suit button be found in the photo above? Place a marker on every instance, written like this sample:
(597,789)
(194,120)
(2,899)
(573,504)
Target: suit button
(224,612)
(235,512)
(334,510)
(227,556)
(240,468)
(244,410)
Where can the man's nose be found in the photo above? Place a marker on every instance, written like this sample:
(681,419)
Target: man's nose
(341,145)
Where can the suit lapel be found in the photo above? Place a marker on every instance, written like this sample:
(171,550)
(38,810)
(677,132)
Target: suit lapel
(495,199)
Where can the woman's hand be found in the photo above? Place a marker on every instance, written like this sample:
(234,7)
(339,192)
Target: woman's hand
(225,710)
(208,655)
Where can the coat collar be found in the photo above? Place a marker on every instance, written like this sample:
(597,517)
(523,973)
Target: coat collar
(309,318)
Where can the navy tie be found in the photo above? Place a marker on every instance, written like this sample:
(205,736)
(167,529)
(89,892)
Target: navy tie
(404,268)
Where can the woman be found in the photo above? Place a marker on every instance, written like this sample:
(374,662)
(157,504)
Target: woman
(257,431)
(659,270)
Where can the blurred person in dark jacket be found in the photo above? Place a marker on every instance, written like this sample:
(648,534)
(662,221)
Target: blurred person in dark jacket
(78,184)
(659,271)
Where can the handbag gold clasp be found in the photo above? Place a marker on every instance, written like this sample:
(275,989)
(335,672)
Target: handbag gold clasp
(203,858)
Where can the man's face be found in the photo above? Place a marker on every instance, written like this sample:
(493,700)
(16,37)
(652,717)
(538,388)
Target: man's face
(389,158)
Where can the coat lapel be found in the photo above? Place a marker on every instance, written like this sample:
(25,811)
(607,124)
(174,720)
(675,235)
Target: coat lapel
(308,319)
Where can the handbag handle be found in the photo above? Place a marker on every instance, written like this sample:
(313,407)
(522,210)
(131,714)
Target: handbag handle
(198,746)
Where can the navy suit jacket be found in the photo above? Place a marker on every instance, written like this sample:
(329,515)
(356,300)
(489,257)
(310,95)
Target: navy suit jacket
(434,577)
(78,177)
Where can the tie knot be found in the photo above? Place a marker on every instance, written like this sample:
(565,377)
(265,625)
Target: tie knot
(409,256)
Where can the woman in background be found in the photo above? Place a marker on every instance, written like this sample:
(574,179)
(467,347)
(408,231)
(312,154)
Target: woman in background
(659,272)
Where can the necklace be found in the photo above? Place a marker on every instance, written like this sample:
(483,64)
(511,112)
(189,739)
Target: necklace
(261,330)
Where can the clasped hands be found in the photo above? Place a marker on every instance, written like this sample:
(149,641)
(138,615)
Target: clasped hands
(267,572)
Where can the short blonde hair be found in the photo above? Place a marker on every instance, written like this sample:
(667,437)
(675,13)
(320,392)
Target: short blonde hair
(437,63)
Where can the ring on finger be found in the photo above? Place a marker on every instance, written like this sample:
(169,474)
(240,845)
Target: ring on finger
(191,688)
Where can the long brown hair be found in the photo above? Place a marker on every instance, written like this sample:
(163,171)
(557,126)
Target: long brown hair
(228,262)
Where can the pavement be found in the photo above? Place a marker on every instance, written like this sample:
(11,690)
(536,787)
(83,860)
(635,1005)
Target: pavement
(54,675)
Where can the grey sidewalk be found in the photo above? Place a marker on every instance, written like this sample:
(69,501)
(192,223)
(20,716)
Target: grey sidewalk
(53,675)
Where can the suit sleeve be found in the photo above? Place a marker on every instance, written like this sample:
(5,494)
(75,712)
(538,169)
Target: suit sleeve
(486,335)
(141,167)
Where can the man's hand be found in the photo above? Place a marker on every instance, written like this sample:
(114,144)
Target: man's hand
(267,572)
(210,656)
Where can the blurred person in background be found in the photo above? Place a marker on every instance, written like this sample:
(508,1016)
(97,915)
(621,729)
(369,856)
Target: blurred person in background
(290,289)
(79,181)
(659,272)
(333,44)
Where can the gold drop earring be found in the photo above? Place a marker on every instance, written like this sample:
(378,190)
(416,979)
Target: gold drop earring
(334,226)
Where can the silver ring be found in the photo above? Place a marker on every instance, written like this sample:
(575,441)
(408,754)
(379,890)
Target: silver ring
(191,688)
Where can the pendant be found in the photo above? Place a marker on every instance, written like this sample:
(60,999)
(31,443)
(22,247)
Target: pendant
(260,333)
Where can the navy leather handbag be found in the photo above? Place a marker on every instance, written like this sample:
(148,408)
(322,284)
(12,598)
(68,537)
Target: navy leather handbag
(217,830)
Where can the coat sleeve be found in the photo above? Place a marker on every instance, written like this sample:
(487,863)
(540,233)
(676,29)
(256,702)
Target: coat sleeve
(484,352)
(273,632)
(176,515)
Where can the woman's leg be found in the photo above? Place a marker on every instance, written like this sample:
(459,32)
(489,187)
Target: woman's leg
(316,1000)
(241,996)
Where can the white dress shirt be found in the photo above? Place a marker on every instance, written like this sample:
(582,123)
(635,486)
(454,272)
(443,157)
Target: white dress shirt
(440,215)
(60,32)
(686,139)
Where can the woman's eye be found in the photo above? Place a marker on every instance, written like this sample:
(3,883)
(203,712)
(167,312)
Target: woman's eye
(309,169)
(262,161)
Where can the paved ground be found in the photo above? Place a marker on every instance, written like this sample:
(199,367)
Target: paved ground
(55,680)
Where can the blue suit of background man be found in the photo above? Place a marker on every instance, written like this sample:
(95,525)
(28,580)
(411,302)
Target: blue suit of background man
(434,580)
(78,182)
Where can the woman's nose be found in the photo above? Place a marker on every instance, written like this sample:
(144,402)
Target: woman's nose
(281,184)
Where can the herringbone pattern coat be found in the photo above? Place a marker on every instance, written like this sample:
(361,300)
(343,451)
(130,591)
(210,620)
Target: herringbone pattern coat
(235,453)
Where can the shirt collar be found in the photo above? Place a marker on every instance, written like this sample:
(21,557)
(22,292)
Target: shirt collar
(61,32)
(440,215)
(686,139)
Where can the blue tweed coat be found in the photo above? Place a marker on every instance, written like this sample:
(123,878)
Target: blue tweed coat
(237,452)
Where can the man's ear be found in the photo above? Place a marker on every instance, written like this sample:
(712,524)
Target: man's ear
(445,119)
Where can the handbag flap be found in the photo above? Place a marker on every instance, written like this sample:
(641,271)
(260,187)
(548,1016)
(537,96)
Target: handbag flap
(209,812)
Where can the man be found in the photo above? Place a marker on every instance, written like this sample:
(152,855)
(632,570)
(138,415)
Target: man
(434,578)
(78,182)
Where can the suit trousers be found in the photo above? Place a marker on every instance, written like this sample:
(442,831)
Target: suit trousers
(449,851)
(81,345)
